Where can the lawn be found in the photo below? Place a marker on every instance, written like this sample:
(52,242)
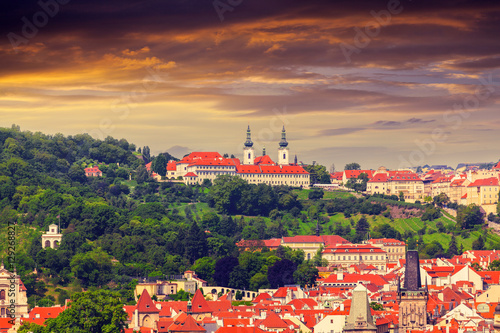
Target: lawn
(329,195)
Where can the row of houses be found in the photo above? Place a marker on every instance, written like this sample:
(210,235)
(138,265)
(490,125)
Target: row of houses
(479,187)
(374,255)
(457,299)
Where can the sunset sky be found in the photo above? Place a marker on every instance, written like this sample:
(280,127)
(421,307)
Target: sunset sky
(375,82)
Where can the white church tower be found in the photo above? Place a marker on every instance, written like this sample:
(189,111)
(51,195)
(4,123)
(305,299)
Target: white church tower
(283,152)
(248,151)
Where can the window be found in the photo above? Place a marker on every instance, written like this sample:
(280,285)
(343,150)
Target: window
(2,294)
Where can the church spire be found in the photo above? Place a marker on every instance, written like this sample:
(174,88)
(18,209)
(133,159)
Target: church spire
(249,142)
(283,142)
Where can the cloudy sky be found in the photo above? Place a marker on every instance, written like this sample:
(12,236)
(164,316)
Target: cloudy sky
(375,82)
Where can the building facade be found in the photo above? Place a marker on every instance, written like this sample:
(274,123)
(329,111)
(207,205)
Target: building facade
(346,255)
(197,167)
(13,298)
(52,238)
(394,248)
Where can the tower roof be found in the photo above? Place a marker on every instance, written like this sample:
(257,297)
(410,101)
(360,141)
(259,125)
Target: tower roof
(200,305)
(283,142)
(146,304)
(360,310)
(412,271)
(249,142)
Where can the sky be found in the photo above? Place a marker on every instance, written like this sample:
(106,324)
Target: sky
(381,83)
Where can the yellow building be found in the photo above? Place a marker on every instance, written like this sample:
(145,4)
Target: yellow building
(394,182)
(347,255)
(484,193)
(394,248)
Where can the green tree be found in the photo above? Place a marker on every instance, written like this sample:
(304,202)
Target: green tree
(281,273)
(318,174)
(452,248)
(362,228)
(204,268)
(238,278)
(159,165)
(469,216)
(315,194)
(93,268)
(141,174)
(376,306)
(494,265)
(478,244)
(441,200)
(306,274)
(77,174)
(99,311)
(352,166)
(401,196)
(476,267)
(259,281)
(196,243)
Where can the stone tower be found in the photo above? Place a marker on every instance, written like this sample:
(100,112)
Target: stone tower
(360,318)
(248,151)
(412,298)
(283,149)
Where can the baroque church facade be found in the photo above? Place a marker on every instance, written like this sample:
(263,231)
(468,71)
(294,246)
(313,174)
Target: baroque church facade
(200,166)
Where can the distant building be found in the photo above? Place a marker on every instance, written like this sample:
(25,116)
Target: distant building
(395,249)
(93,172)
(52,238)
(396,182)
(347,255)
(197,167)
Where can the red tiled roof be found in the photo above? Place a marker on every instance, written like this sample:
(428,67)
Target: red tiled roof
(282,291)
(353,248)
(330,240)
(199,304)
(261,297)
(386,241)
(336,175)
(379,178)
(190,174)
(171,166)
(263,160)
(247,329)
(497,166)
(146,304)
(355,173)
(185,324)
(303,239)
(273,321)
(485,182)
(46,312)
(218,162)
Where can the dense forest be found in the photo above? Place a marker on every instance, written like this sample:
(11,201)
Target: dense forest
(125,227)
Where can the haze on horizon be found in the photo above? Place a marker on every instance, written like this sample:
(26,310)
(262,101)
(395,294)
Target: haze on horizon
(375,82)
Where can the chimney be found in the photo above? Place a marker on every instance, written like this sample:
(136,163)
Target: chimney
(340,276)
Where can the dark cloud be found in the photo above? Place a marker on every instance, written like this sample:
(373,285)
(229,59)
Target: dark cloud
(340,131)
